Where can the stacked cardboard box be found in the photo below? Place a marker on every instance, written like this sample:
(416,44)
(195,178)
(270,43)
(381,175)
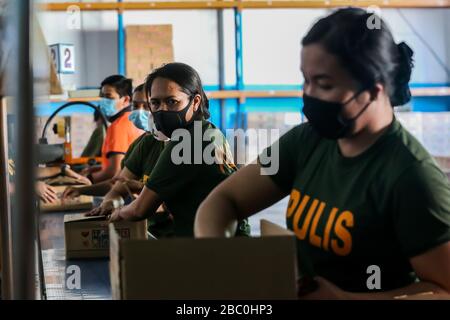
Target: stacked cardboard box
(88,237)
(183,268)
(261,124)
(436,129)
(147,47)
(432,129)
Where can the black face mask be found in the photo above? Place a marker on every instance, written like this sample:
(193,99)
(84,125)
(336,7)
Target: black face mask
(168,121)
(326,119)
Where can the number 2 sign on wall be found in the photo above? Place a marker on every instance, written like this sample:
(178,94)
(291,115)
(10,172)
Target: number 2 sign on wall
(63,56)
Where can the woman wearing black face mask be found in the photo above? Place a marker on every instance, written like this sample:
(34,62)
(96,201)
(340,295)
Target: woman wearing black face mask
(183,176)
(369,206)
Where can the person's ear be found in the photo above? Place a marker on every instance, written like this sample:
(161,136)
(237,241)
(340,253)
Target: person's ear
(126,100)
(196,102)
(375,92)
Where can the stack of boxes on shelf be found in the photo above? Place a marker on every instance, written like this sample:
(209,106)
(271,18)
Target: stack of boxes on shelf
(147,47)
(432,129)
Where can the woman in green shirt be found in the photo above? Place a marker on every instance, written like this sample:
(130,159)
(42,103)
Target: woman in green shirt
(137,164)
(184,174)
(369,206)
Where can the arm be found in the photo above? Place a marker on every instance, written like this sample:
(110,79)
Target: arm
(234,199)
(432,268)
(115,195)
(48,172)
(131,186)
(118,189)
(42,173)
(91,169)
(110,171)
(421,207)
(143,207)
(98,189)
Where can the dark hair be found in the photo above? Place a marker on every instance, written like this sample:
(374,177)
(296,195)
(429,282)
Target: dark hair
(123,85)
(370,55)
(139,88)
(187,78)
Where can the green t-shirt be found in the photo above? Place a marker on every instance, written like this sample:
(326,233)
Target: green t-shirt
(382,207)
(144,156)
(131,148)
(95,143)
(183,185)
(141,162)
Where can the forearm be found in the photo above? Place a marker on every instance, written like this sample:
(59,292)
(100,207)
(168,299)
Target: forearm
(419,289)
(102,175)
(135,212)
(118,190)
(99,189)
(44,172)
(95,168)
(216,217)
(136,186)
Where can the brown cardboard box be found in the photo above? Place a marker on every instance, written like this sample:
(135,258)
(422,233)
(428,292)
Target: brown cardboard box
(187,268)
(88,237)
(147,47)
(80,203)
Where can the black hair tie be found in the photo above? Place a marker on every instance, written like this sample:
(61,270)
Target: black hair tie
(405,64)
(406,53)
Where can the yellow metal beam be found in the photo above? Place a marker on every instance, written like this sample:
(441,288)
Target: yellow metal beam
(150,5)
(275,4)
(345,3)
(431,92)
(236,94)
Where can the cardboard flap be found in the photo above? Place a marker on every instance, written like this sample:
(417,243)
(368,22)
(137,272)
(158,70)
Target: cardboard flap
(114,265)
(271,229)
(81,217)
(51,76)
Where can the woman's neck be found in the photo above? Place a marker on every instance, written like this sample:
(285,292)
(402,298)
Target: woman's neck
(363,140)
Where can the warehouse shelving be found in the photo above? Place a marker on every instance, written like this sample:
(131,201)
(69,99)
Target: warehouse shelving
(245,94)
(154,5)
(238,6)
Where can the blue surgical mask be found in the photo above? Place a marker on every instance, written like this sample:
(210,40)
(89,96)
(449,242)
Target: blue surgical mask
(108,107)
(140,119)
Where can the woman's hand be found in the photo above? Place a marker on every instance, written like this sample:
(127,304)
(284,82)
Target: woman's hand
(71,192)
(326,291)
(115,216)
(105,209)
(46,193)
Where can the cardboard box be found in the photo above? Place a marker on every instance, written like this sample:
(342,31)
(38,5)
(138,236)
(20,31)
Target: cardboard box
(81,203)
(88,237)
(187,268)
(147,47)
